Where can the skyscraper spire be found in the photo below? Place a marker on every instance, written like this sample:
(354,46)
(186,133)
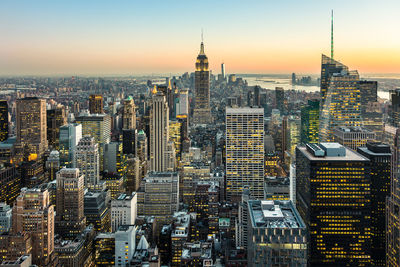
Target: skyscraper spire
(202,45)
(332,35)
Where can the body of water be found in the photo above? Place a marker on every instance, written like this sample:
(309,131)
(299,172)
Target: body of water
(270,82)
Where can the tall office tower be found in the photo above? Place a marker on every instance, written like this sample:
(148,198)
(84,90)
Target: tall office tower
(395,111)
(53,165)
(278,234)
(257,99)
(114,158)
(5,217)
(310,122)
(369,93)
(393,207)
(333,196)
(99,127)
(294,78)
(373,119)
(242,220)
(33,214)
(96,104)
(280,99)
(3,120)
(133,174)
(294,125)
(202,110)
(176,136)
(223,71)
(31,125)
(97,211)
(10,184)
(129,114)
(183,104)
(159,133)
(244,152)
(123,210)
(86,159)
(129,141)
(329,67)
(380,156)
(142,151)
(158,195)
(56,118)
(70,219)
(342,105)
(70,135)
(125,244)
(353,137)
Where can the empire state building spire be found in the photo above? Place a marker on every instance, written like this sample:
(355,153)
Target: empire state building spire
(202,49)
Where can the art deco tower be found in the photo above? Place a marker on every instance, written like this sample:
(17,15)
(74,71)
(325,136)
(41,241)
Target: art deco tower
(202,111)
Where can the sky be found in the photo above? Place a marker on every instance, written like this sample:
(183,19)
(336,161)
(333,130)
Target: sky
(101,37)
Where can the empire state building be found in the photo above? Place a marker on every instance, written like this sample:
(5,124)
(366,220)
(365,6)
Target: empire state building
(202,111)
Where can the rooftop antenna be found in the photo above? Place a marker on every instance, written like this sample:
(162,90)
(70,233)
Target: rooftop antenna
(332,35)
(202,39)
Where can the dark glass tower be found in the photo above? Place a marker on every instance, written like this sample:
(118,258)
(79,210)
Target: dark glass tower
(3,120)
(334,200)
(328,67)
(380,156)
(310,122)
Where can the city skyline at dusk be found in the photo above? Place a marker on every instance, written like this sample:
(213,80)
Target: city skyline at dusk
(163,37)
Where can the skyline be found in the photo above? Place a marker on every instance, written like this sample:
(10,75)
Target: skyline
(135,38)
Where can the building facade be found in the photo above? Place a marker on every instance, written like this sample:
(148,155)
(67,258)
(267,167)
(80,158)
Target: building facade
(244,152)
(333,196)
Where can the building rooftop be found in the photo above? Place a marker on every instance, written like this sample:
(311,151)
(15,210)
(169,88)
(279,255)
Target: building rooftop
(248,110)
(274,214)
(126,196)
(331,152)
(353,129)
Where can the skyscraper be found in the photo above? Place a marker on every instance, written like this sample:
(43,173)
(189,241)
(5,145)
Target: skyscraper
(33,214)
(368,91)
(202,111)
(333,191)
(70,219)
(223,71)
(244,152)
(341,102)
(328,67)
(56,118)
(280,99)
(86,159)
(395,111)
(159,133)
(310,122)
(129,114)
(380,157)
(393,208)
(96,104)
(3,120)
(70,135)
(97,126)
(31,125)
